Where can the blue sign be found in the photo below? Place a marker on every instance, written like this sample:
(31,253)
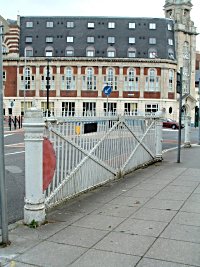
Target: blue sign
(107,90)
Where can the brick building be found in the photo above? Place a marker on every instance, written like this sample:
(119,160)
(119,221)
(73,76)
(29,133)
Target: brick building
(137,57)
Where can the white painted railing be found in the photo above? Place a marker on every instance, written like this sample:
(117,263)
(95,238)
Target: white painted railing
(92,150)
(89,152)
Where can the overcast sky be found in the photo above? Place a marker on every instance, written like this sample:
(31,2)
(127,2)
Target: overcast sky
(126,8)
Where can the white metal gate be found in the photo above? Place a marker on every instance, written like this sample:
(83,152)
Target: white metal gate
(91,151)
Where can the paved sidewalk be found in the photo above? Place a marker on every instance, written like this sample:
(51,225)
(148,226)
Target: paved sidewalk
(150,218)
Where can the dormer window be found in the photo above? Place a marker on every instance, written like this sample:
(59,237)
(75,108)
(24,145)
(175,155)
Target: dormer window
(91,25)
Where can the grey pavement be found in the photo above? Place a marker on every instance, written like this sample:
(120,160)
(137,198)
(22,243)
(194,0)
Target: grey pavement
(149,218)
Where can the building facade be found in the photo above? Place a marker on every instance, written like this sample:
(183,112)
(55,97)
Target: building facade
(78,56)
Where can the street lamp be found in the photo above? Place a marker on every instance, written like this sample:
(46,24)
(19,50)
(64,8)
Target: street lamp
(25,79)
(48,87)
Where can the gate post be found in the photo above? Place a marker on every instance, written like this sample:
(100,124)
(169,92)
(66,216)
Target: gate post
(34,208)
(187,142)
(158,138)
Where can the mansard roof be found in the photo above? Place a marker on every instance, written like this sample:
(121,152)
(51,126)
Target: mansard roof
(144,37)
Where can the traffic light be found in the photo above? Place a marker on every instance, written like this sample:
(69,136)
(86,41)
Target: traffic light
(178,83)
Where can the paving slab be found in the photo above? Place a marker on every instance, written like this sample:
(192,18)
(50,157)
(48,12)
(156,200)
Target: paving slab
(175,251)
(116,210)
(182,232)
(101,222)
(125,243)
(146,262)
(100,258)
(164,204)
(78,236)
(194,197)
(154,214)
(141,227)
(167,195)
(50,254)
(191,206)
(187,218)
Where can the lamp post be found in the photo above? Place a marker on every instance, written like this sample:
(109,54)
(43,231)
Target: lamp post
(3,198)
(25,79)
(48,87)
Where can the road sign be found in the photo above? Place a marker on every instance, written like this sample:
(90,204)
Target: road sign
(107,90)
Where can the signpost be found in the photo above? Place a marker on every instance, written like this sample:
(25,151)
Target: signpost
(107,91)
(179,91)
(3,199)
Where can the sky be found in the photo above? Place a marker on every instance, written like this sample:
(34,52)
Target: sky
(130,8)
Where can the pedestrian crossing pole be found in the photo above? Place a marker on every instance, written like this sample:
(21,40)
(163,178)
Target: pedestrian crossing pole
(199,113)
(3,198)
(179,91)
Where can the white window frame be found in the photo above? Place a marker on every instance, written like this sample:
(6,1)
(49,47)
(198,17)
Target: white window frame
(111,25)
(131,80)
(29,52)
(152,83)
(152,40)
(130,108)
(90,25)
(29,24)
(131,40)
(132,53)
(68,80)
(70,39)
(131,25)
(170,42)
(49,52)
(152,26)
(69,52)
(27,80)
(152,107)
(110,108)
(111,39)
(49,39)
(29,39)
(90,39)
(111,53)
(90,53)
(49,24)
(89,80)
(70,24)
(68,108)
(89,108)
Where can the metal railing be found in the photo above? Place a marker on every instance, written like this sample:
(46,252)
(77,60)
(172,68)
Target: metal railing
(92,150)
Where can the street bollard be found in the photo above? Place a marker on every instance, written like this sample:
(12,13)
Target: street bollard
(158,138)
(34,208)
(187,141)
